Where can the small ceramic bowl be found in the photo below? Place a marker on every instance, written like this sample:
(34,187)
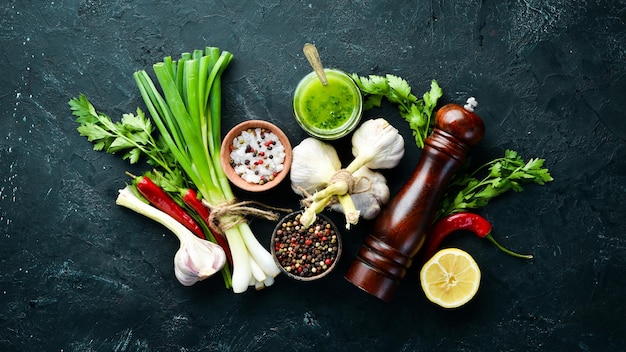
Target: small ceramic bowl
(306,254)
(253,153)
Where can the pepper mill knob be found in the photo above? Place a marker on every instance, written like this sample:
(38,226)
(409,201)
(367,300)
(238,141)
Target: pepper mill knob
(462,123)
(400,229)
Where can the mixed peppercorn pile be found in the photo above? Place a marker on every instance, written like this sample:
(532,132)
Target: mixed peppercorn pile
(306,252)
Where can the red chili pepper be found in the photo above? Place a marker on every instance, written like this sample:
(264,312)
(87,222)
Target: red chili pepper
(157,197)
(190,197)
(462,221)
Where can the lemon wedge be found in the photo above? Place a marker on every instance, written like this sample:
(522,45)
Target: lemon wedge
(450,278)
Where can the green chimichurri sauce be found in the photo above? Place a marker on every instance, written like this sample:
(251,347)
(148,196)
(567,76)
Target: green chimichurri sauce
(327,107)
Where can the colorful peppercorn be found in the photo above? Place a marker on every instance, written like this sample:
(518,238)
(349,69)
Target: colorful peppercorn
(306,253)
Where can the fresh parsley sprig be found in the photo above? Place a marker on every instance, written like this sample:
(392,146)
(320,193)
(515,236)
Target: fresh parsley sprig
(134,136)
(417,112)
(465,191)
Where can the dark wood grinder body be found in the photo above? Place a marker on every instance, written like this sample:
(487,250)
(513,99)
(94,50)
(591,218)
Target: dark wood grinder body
(401,228)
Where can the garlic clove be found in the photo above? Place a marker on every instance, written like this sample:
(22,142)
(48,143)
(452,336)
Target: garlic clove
(197,259)
(380,189)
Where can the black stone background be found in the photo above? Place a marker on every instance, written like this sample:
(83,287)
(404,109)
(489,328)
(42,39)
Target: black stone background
(78,273)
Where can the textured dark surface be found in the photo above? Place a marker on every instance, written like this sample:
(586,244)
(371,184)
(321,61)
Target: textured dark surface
(78,273)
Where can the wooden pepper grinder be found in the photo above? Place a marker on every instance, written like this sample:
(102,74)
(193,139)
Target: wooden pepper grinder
(400,230)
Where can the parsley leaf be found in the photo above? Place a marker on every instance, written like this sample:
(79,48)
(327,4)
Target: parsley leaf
(465,191)
(133,135)
(417,112)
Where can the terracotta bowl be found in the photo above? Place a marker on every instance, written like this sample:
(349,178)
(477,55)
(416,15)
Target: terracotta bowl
(293,247)
(227,161)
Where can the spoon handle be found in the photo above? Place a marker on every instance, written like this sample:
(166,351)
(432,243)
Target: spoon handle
(310,51)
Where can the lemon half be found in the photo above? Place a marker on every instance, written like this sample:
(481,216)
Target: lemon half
(450,278)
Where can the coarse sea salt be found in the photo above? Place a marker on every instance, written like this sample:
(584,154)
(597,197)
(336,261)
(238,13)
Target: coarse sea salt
(257,155)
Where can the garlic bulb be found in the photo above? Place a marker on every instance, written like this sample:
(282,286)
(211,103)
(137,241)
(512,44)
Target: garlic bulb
(316,172)
(371,194)
(196,259)
(377,145)
(314,164)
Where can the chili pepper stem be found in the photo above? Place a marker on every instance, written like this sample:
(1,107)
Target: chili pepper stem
(505,250)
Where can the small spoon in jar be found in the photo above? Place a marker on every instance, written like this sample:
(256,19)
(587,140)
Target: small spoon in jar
(310,51)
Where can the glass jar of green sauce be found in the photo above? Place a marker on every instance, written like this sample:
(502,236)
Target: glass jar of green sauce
(328,111)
